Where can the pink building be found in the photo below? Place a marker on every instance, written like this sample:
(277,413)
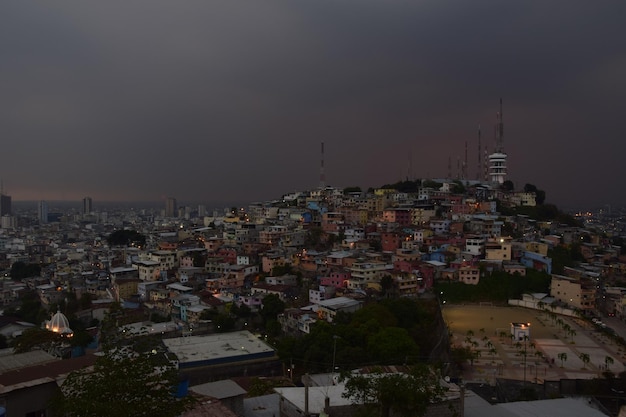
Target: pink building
(336,279)
(390,241)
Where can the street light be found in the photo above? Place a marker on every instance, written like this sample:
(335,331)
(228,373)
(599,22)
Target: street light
(332,372)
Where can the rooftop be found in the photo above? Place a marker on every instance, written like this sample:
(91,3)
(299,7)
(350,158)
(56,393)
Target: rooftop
(216,347)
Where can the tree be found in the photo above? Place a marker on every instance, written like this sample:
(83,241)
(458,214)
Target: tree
(386,285)
(349,190)
(280,270)
(584,357)
(398,394)
(199,260)
(508,186)
(392,344)
(562,357)
(530,188)
(35,338)
(224,323)
(271,307)
(21,270)
(608,361)
(126,238)
(572,333)
(463,354)
(133,377)
(122,385)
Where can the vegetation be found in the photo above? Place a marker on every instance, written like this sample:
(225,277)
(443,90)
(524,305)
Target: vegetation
(391,332)
(134,377)
(30,309)
(404,186)
(497,286)
(21,270)
(395,394)
(540,195)
(349,190)
(543,212)
(563,256)
(35,338)
(126,238)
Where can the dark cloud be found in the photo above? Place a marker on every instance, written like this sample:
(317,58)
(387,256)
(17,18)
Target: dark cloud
(229,101)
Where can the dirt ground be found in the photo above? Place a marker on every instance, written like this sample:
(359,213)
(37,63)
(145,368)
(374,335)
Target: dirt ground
(461,318)
(499,357)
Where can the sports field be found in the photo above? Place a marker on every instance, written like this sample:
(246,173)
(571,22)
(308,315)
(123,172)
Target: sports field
(461,318)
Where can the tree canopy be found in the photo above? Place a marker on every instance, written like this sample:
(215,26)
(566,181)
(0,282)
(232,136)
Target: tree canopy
(391,332)
(120,385)
(133,377)
(126,238)
(386,394)
(498,286)
(21,270)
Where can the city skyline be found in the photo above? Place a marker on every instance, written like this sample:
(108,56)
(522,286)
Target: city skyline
(221,101)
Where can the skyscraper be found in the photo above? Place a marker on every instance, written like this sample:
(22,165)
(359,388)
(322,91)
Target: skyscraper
(87,205)
(5,204)
(42,212)
(171,210)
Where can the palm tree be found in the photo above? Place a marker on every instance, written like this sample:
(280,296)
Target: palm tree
(493,351)
(572,333)
(608,360)
(585,358)
(553,316)
(562,357)
(541,305)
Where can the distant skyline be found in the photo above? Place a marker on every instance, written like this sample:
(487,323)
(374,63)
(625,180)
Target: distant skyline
(227,101)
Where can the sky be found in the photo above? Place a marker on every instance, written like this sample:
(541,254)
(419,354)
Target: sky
(228,100)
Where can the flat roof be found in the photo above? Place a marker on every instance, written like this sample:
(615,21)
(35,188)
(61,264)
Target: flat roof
(121,269)
(179,287)
(11,361)
(148,327)
(339,302)
(317,397)
(217,348)
(226,388)
(147,263)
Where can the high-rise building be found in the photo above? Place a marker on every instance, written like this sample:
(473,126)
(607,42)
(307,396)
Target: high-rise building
(171,210)
(5,204)
(42,212)
(87,205)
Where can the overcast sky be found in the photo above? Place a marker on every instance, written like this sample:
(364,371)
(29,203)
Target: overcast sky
(229,100)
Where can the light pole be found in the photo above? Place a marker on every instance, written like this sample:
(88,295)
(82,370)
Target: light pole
(332,372)
(525,345)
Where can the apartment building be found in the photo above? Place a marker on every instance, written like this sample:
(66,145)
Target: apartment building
(576,292)
(367,274)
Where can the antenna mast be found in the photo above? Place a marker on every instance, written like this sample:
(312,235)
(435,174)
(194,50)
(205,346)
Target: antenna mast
(499,131)
(480,165)
(322,174)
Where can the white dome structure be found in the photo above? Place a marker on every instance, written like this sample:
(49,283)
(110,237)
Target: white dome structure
(59,324)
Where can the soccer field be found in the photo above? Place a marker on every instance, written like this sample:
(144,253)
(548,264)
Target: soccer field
(461,318)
